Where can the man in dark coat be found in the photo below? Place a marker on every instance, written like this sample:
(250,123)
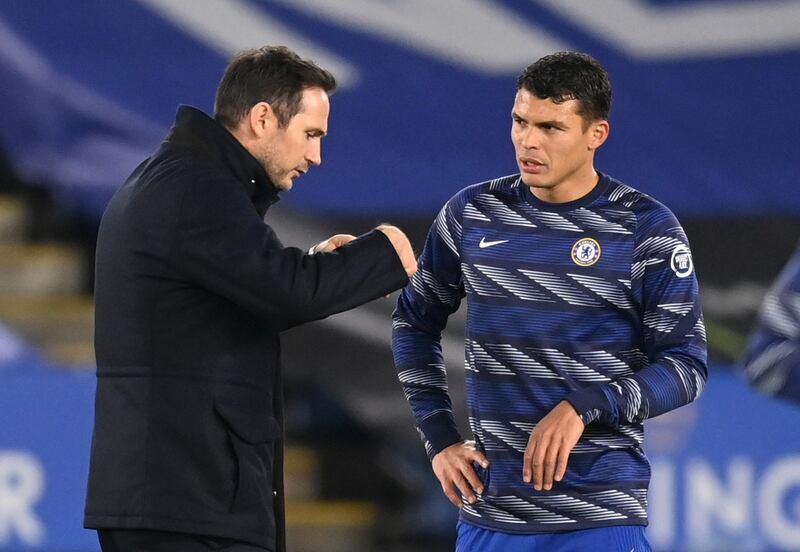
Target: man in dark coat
(192,291)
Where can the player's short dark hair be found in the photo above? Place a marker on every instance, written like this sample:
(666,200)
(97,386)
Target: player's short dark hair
(567,76)
(272,74)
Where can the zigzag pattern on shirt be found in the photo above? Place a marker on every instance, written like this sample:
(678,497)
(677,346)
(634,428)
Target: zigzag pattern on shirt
(693,384)
(596,438)
(657,246)
(475,283)
(618,500)
(569,366)
(625,195)
(470,212)
(660,322)
(634,408)
(638,268)
(569,505)
(606,362)
(514,284)
(496,209)
(510,356)
(699,329)
(767,371)
(592,220)
(552,220)
(528,511)
(605,289)
(433,375)
(443,229)
(425,283)
(561,288)
(782,314)
(479,359)
(495,513)
(501,431)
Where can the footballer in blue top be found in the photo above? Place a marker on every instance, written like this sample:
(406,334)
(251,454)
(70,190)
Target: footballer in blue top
(583,320)
(772,359)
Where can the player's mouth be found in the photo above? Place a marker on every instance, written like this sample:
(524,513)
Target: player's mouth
(531,166)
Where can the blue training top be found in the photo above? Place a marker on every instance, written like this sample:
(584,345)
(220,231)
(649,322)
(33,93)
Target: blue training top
(595,302)
(772,359)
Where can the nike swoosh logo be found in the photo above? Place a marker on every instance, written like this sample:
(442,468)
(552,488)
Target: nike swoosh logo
(484,244)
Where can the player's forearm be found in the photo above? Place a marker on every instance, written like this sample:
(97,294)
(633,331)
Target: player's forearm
(422,374)
(670,382)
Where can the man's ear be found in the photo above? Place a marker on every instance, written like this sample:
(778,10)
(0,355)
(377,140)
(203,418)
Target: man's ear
(598,133)
(261,119)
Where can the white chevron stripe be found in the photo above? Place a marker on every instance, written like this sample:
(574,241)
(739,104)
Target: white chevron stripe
(499,515)
(528,511)
(432,376)
(607,362)
(471,212)
(554,220)
(579,507)
(619,499)
(629,390)
(484,361)
(657,245)
(478,285)
(570,366)
(660,322)
(678,308)
(502,212)
(561,288)
(444,232)
(778,316)
(522,362)
(505,434)
(621,190)
(594,221)
(505,279)
(604,289)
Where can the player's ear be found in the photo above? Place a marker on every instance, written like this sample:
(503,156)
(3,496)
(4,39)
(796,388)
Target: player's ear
(598,133)
(261,119)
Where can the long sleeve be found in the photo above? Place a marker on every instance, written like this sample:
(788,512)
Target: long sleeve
(772,359)
(224,246)
(673,334)
(423,308)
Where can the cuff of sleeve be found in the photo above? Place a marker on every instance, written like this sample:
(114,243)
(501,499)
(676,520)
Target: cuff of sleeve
(588,400)
(396,274)
(440,431)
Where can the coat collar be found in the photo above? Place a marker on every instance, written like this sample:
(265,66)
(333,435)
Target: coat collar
(203,135)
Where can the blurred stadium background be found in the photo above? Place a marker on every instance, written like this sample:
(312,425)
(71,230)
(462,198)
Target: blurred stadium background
(705,119)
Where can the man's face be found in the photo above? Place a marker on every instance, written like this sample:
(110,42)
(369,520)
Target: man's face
(551,145)
(288,152)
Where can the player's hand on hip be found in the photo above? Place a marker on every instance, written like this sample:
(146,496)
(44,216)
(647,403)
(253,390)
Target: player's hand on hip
(453,467)
(549,446)
(402,246)
(334,242)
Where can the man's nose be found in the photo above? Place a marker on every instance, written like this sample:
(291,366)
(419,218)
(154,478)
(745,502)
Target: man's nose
(314,154)
(530,140)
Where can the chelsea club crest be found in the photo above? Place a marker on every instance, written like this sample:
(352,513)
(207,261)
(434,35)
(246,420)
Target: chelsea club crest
(586,252)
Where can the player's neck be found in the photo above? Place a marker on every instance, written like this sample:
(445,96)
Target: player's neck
(575,187)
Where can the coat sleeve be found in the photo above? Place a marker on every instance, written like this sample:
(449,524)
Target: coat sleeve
(772,359)
(435,292)
(672,329)
(223,245)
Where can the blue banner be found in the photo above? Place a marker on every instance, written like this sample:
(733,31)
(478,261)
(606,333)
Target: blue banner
(703,117)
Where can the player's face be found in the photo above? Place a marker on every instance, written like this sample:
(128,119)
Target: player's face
(554,150)
(288,152)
